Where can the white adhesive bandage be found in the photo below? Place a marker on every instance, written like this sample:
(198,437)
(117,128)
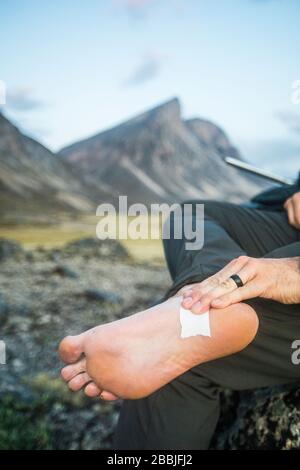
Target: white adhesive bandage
(194,325)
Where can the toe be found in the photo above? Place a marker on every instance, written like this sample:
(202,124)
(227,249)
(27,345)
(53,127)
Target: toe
(108,396)
(72,370)
(71,348)
(92,390)
(79,381)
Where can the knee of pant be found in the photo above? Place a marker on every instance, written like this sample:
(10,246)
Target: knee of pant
(170,223)
(209,205)
(194,202)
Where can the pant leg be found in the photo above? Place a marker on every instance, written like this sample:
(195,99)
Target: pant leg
(184,413)
(229,231)
(181,415)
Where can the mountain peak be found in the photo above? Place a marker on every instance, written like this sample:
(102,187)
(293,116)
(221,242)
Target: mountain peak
(169,111)
(211,136)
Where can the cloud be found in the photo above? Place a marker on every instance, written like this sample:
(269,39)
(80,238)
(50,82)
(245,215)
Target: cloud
(135,8)
(22,99)
(264,1)
(149,68)
(290,119)
(139,9)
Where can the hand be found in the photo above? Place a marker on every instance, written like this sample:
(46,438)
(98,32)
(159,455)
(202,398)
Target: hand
(292,206)
(276,279)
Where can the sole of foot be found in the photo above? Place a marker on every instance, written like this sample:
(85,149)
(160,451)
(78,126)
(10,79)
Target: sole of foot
(135,356)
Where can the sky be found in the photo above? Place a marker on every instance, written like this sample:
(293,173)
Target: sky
(74,68)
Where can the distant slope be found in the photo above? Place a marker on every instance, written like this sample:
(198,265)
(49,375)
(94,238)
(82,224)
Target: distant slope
(34,179)
(157,156)
(154,157)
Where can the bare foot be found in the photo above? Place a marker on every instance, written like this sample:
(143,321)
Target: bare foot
(133,357)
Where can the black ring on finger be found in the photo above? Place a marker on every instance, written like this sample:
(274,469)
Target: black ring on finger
(236,278)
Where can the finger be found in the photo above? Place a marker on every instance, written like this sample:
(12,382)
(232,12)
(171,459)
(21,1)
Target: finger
(295,202)
(247,273)
(187,293)
(186,288)
(290,213)
(232,267)
(250,290)
(191,299)
(203,304)
(211,284)
(287,202)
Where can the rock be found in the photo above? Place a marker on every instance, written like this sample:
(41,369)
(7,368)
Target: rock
(17,365)
(41,308)
(261,419)
(4,308)
(102,296)
(64,271)
(92,247)
(9,249)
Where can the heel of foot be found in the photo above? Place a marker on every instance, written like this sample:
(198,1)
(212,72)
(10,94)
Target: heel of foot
(236,325)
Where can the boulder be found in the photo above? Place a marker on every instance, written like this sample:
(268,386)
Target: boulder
(9,249)
(64,271)
(102,296)
(4,308)
(93,247)
(264,419)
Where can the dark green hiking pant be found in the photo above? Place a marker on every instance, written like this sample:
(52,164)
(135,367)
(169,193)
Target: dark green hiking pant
(184,413)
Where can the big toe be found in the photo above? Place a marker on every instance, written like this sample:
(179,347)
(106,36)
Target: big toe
(71,348)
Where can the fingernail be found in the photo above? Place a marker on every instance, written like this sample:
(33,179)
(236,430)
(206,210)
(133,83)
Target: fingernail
(187,300)
(216,302)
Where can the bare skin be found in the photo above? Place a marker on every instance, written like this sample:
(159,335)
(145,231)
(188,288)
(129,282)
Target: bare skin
(275,279)
(133,357)
(292,207)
